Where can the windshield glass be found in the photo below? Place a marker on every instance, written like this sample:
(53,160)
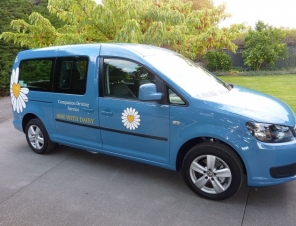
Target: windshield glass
(189,76)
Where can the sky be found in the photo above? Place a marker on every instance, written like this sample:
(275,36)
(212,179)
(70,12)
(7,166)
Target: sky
(277,13)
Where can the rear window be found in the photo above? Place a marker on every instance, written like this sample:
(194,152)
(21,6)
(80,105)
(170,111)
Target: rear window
(36,74)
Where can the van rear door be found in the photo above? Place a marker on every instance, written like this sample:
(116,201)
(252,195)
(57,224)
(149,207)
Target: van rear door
(75,102)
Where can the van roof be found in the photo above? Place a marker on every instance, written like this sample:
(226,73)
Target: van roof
(105,49)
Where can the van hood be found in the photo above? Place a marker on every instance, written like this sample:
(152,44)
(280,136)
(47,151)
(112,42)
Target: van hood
(254,105)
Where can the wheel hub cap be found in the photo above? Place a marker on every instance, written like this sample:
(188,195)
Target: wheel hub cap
(210,173)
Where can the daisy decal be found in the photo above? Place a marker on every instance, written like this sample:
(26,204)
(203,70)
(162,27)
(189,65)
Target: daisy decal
(17,94)
(130,118)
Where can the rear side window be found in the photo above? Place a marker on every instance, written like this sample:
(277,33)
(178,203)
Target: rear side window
(70,75)
(36,74)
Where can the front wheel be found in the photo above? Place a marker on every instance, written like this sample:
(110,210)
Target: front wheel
(37,137)
(213,171)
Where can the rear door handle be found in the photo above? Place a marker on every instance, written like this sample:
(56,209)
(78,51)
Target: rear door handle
(107,113)
(88,109)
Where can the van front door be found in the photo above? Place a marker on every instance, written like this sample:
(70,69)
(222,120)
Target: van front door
(129,127)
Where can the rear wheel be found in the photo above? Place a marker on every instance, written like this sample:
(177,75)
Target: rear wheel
(213,171)
(37,137)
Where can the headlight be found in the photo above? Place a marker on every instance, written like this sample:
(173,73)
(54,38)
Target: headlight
(270,133)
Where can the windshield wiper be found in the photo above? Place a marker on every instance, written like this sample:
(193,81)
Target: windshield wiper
(228,86)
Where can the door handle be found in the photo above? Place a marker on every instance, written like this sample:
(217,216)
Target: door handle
(107,112)
(88,109)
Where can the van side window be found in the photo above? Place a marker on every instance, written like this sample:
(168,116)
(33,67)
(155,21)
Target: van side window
(36,74)
(70,75)
(175,98)
(123,78)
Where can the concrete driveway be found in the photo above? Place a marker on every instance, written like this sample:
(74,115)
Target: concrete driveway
(72,187)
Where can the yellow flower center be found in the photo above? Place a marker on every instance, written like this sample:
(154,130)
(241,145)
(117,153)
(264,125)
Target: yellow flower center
(16,88)
(130,118)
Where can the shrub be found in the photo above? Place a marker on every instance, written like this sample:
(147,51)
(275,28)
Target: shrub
(217,61)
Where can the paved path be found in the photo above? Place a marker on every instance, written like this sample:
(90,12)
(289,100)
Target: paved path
(5,109)
(72,187)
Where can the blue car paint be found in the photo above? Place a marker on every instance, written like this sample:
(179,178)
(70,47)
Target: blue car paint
(221,117)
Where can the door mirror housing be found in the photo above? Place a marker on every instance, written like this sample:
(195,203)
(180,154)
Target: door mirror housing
(148,92)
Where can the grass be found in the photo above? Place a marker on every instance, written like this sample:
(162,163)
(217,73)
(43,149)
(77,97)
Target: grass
(282,87)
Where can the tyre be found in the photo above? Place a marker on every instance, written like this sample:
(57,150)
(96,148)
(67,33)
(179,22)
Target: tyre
(37,137)
(212,171)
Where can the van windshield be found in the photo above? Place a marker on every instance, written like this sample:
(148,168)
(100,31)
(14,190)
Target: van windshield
(189,76)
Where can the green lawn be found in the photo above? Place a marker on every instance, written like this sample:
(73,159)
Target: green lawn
(282,87)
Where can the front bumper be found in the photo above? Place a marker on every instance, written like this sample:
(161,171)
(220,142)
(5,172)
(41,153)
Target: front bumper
(268,163)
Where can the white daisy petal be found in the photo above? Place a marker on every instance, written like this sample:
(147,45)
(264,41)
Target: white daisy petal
(25,90)
(16,75)
(24,97)
(17,106)
(12,78)
(22,103)
(13,100)
(128,111)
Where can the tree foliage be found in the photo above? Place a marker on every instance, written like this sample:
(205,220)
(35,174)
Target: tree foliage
(290,38)
(264,45)
(201,4)
(9,10)
(173,24)
(217,60)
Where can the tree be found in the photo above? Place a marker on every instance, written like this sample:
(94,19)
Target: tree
(201,4)
(40,6)
(217,60)
(264,46)
(290,38)
(13,9)
(168,23)
(9,10)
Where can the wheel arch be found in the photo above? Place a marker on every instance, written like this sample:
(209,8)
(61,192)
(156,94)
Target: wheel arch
(26,119)
(184,149)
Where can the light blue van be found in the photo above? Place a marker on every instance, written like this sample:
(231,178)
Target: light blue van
(153,106)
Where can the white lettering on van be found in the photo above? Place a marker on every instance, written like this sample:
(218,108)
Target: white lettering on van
(72,103)
(73,109)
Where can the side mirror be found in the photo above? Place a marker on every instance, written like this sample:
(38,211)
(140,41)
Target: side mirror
(148,92)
